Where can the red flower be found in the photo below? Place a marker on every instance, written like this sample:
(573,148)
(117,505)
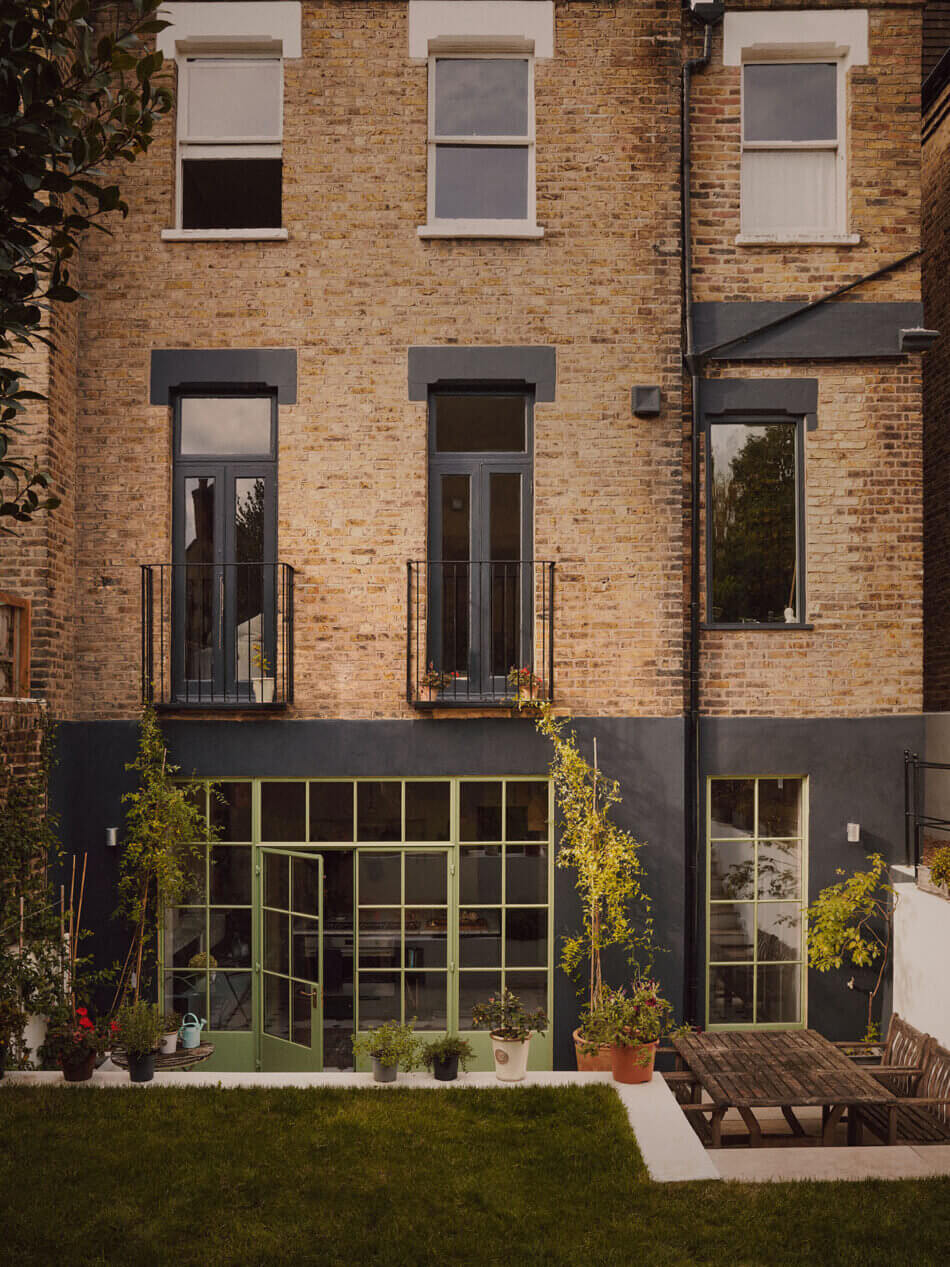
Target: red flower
(81,1011)
(86,1023)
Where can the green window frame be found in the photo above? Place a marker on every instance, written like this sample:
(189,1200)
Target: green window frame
(515,829)
(756,891)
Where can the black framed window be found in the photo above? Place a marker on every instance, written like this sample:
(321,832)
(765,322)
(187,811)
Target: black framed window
(755,521)
(225,544)
(480,533)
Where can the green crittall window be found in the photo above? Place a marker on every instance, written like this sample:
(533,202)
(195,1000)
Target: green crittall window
(756,886)
(433,893)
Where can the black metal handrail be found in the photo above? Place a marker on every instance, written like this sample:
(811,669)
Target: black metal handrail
(479,632)
(218,635)
(915,818)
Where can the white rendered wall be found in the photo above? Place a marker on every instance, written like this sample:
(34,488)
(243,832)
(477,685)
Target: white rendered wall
(921,957)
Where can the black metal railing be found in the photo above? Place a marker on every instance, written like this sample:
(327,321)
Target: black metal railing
(479,632)
(916,819)
(218,635)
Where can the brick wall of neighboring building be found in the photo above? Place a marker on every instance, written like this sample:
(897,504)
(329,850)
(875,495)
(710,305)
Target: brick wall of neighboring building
(352,290)
(936,236)
(21,736)
(39,562)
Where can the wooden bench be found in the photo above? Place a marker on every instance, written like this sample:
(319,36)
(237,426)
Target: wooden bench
(899,1062)
(923,1118)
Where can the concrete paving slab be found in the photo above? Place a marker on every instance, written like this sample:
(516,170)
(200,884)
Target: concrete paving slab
(935,1157)
(779,1165)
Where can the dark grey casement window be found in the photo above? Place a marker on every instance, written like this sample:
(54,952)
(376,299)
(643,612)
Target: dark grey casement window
(225,543)
(230,121)
(480,535)
(755,521)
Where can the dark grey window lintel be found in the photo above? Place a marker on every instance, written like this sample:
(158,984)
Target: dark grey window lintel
(250,368)
(533,366)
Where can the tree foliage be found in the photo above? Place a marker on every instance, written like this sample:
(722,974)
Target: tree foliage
(74,98)
(849,925)
(163,844)
(606,861)
(31,949)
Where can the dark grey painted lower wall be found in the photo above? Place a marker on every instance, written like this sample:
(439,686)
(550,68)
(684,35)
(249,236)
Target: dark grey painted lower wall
(854,768)
(855,773)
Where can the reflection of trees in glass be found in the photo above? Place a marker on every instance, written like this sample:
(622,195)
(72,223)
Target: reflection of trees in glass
(753,523)
(249,521)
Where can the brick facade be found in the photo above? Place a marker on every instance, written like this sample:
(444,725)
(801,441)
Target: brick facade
(936,235)
(354,288)
(21,737)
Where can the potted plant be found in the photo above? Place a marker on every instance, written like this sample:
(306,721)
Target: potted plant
(633,1024)
(74,1042)
(435,681)
(139,1028)
(170,1036)
(526,685)
(444,1055)
(390,1047)
(263,683)
(616,910)
(204,959)
(510,1027)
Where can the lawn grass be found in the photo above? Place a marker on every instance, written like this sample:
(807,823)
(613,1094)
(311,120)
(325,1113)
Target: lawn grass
(406,1178)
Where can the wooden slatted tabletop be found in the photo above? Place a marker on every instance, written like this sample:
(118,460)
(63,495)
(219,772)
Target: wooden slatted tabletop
(785,1069)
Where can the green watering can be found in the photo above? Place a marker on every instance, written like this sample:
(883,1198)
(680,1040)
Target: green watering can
(190,1032)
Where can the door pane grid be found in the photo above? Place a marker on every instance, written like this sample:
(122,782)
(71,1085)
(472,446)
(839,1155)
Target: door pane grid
(755,890)
(422,976)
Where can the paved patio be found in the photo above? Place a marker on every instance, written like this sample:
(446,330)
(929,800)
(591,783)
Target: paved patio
(670,1147)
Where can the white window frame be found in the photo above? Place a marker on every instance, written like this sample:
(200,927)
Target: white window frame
(838,232)
(480,228)
(270,146)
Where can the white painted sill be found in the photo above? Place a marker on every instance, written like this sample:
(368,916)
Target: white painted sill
(480,229)
(806,239)
(224,235)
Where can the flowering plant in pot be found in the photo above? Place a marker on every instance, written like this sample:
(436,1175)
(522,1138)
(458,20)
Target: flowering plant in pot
(444,1055)
(74,1041)
(510,1026)
(526,685)
(633,1023)
(140,1028)
(391,1047)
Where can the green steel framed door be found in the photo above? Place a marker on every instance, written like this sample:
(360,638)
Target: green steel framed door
(290,971)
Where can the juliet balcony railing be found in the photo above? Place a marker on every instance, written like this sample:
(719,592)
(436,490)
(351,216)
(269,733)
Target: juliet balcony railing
(218,635)
(478,632)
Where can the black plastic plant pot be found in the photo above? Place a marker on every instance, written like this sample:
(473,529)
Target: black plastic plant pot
(142,1068)
(383,1073)
(446,1070)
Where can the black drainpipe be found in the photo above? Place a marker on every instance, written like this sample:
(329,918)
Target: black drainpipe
(709,14)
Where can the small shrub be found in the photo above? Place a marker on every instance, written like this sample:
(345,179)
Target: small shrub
(140,1027)
(391,1044)
(506,1017)
(940,867)
(446,1049)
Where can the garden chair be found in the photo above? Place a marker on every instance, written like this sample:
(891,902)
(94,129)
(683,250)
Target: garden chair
(899,1061)
(923,1118)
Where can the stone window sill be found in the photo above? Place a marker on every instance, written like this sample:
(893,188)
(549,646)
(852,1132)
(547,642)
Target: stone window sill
(806,239)
(224,235)
(777,627)
(480,229)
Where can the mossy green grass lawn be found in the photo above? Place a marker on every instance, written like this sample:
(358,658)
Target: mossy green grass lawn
(406,1177)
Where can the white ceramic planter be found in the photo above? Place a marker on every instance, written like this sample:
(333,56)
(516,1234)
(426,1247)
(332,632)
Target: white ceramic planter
(511,1058)
(169,1043)
(263,690)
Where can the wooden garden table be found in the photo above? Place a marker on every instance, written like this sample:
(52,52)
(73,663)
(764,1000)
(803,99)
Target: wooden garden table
(183,1058)
(785,1069)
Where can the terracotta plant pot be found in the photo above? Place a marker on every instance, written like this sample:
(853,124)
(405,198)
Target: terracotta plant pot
(633,1064)
(80,1069)
(511,1058)
(598,1063)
